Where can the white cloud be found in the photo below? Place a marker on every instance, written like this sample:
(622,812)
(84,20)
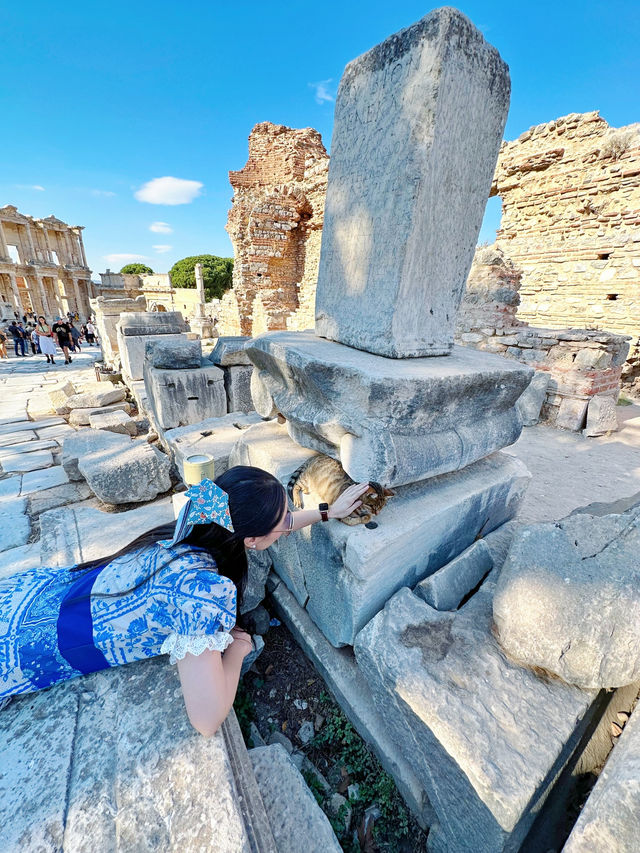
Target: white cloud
(169,191)
(322,93)
(163,248)
(30,187)
(102,193)
(161,228)
(124,258)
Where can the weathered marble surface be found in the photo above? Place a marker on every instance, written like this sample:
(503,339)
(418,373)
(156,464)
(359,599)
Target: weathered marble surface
(387,420)
(132,351)
(446,588)
(485,736)
(343,575)
(139,472)
(530,401)
(167,353)
(84,442)
(229,351)
(568,598)
(417,129)
(215,436)
(280,783)
(610,820)
(237,384)
(110,762)
(182,397)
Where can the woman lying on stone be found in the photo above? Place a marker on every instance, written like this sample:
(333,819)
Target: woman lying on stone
(171,591)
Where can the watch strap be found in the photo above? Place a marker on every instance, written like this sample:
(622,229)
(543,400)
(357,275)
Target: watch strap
(324,511)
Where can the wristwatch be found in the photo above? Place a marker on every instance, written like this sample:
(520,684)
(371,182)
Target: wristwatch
(324,511)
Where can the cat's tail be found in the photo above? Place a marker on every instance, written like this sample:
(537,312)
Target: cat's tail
(294,494)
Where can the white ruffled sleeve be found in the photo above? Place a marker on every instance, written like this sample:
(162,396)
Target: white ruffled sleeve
(177,645)
(204,615)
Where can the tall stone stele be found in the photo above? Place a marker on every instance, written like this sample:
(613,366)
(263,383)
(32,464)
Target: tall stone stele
(201,324)
(424,113)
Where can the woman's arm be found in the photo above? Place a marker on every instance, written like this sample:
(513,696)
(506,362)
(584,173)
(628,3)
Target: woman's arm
(343,506)
(209,683)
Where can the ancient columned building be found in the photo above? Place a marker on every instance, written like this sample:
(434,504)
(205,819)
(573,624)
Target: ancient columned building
(275,225)
(43,267)
(570,193)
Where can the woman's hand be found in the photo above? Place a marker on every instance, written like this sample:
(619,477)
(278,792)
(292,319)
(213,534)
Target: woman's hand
(348,501)
(243,640)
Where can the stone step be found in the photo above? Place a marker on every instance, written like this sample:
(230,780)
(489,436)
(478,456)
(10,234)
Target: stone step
(486,737)
(110,762)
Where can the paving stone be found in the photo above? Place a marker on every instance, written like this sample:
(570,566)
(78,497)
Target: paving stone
(16,438)
(132,474)
(610,819)
(19,559)
(394,421)
(281,782)
(82,417)
(344,574)
(15,526)
(57,496)
(397,244)
(446,588)
(485,736)
(10,429)
(59,431)
(37,481)
(11,419)
(213,436)
(59,394)
(10,487)
(27,447)
(115,421)
(27,461)
(97,399)
(75,534)
(568,599)
(87,441)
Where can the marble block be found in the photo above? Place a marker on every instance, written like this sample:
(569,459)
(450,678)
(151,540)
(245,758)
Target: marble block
(182,397)
(215,436)
(136,323)
(391,421)
(237,383)
(229,351)
(486,737)
(132,350)
(344,574)
(417,130)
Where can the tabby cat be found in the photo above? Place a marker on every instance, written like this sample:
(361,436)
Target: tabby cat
(327,479)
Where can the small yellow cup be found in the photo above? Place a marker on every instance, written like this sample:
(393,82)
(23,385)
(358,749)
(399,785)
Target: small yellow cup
(197,467)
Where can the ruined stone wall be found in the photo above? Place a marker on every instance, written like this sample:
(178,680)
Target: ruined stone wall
(275,225)
(581,363)
(570,193)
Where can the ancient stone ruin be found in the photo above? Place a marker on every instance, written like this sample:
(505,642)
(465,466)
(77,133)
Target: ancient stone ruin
(275,225)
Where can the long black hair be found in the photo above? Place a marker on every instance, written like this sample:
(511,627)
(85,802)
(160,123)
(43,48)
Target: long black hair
(257,502)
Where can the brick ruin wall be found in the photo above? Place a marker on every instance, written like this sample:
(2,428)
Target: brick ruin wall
(275,225)
(580,363)
(570,192)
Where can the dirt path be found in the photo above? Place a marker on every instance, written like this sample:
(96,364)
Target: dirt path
(570,471)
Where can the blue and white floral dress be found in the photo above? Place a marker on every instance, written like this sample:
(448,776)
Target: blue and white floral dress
(56,624)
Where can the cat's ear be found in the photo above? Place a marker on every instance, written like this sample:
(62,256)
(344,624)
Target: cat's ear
(389,493)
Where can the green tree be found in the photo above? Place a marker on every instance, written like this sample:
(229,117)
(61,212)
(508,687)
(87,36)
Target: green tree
(216,272)
(137,269)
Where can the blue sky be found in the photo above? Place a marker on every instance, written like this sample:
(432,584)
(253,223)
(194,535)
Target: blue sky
(101,99)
